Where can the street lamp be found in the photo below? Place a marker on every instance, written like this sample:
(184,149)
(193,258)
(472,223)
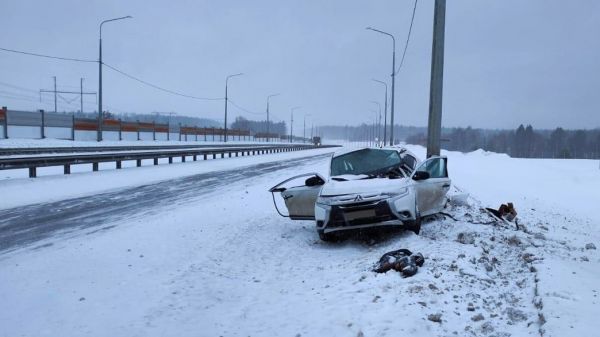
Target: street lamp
(268,126)
(292,123)
(378,123)
(226,81)
(99,136)
(384,110)
(393,77)
(373,128)
(304,132)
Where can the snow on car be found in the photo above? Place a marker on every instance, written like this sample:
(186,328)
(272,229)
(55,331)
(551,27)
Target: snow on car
(368,188)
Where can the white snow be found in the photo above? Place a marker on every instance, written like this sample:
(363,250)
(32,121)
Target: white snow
(227,264)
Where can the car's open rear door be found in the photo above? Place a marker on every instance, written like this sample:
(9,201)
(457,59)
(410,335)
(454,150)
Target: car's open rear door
(300,195)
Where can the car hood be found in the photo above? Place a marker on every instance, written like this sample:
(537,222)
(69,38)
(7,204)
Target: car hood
(375,185)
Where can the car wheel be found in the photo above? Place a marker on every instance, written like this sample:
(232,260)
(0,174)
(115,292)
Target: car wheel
(326,237)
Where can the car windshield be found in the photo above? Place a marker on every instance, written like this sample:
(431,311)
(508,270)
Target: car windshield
(365,161)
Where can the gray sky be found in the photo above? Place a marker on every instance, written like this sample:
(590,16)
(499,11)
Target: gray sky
(507,62)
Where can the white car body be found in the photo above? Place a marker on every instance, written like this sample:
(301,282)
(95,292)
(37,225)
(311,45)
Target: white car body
(397,197)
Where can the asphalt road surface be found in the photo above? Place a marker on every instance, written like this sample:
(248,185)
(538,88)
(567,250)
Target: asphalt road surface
(24,226)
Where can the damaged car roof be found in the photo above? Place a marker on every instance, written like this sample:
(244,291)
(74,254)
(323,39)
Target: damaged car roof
(344,151)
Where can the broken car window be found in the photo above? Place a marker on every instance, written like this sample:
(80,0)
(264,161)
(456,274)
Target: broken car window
(365,161)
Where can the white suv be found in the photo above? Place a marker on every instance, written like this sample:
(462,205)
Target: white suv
(368,187)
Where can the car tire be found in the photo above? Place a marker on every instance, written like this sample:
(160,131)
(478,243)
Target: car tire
(327,237)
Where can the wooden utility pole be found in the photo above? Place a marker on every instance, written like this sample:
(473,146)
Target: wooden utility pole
(434,128)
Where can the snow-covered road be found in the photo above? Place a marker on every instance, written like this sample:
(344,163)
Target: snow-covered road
(224,264)
(31,223)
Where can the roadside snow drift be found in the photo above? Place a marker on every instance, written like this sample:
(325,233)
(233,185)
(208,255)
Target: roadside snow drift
(223,263)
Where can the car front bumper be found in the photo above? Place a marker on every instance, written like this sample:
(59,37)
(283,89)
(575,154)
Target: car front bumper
(389,212)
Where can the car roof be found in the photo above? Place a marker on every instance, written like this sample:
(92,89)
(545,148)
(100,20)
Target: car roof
(400,149)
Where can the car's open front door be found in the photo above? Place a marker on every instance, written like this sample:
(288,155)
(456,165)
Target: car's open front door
(300,195)
(431,192)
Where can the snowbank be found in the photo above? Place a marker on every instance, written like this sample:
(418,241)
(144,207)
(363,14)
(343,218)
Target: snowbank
(224,263)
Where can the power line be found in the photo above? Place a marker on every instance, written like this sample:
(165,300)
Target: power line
(160,88)
(47,56)
(244,109)
(412,19)
(17,87)
(113,68)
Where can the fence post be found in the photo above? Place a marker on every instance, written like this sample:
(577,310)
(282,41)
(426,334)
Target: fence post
(120,129)
(138,129)
(196,132)
(73,127)
(179,131)
(168,131)
(42,133)
(153,130)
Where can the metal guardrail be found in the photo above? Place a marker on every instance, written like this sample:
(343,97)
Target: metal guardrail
(32,163)
(42,150)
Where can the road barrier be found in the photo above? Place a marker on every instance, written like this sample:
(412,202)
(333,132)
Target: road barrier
(44,124)
(74,149)
(33,162)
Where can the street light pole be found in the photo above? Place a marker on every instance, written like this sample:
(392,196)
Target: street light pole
(384,110)
(99,136)
(393,79)
(268,123)
(226,83)
(378,123)
(304,132)
(292,123)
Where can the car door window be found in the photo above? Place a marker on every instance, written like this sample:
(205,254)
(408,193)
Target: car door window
(436,168)
(408,163)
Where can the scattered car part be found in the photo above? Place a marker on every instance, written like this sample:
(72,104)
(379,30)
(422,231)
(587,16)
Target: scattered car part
(401,260)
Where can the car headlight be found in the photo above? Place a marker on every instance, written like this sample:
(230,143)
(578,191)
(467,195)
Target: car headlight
(400,193)
(324,201)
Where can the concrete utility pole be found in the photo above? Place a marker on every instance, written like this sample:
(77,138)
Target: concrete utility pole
(99,135)
(384,110)
(434,128)
(226,82)
(268,123)
(393,78)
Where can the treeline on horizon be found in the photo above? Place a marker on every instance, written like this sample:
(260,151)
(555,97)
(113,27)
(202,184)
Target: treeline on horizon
(259,126)
(524,142)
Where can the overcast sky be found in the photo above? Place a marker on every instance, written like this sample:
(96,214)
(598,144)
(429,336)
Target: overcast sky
(507,62)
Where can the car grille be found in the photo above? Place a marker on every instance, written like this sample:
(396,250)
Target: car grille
(360,213)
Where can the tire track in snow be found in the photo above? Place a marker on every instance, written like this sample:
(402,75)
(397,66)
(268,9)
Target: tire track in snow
(26,225)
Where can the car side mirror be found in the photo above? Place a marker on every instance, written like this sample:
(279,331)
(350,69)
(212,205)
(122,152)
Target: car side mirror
(314,181)
(421,175)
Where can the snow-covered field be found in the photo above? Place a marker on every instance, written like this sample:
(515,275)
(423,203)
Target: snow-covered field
(224,263)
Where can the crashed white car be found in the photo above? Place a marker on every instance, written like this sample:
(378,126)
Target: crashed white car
(367,188)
